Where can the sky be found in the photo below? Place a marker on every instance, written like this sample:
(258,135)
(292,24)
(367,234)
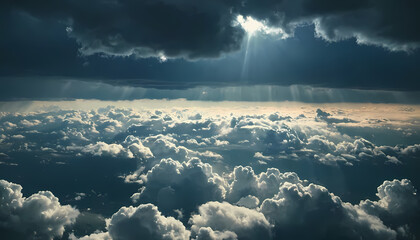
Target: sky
(183,44)
(209,120)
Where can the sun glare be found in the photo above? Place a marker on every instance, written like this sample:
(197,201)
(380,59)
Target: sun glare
(249,24)
(252,26)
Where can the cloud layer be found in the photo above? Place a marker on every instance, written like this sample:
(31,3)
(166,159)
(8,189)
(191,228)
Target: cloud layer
(210,172)
(190,30)
(182,134)
(297,210)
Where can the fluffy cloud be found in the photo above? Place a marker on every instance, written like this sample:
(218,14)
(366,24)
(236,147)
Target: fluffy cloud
(181,135)
(300,211)
(397,197)
(226,218)
(137,148)
(297,211)
(202,167)
(266,184)
(40,216)
(142,222)
(398,206)
(249,201)
(93,236)
(173,185)
(164,146)
(104,149)
(206,233)
(145,222)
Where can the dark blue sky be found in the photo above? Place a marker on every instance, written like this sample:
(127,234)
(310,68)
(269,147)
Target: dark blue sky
(52,41)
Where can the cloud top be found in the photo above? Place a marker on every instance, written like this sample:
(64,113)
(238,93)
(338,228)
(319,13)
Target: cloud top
(39,216)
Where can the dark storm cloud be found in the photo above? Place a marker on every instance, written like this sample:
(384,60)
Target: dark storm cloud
(48,40)
(144,28)
(204,29)
(90,40)
(389,24)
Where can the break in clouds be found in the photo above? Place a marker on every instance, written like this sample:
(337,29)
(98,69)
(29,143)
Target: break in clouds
(193,30)
(231,172)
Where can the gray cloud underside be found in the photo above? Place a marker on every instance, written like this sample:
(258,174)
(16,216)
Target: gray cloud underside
(191,29)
